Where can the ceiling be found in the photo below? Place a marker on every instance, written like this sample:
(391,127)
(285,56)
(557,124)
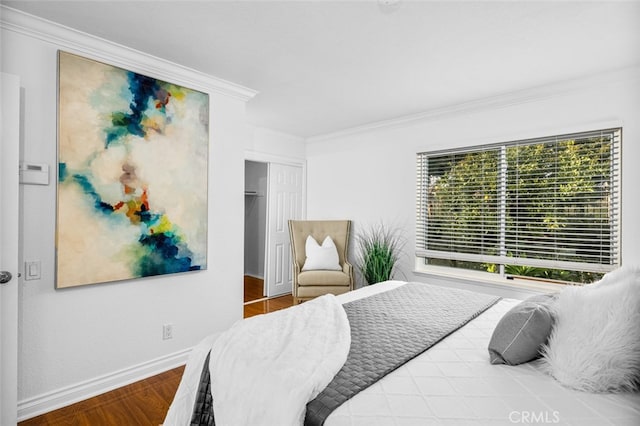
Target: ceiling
(325,66)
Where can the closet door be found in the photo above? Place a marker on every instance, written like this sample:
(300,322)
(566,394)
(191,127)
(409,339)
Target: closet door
(284,203)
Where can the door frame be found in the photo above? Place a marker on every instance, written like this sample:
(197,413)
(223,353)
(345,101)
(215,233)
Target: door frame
(9,251)
(262,157)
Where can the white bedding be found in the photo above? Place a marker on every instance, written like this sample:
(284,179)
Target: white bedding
(306,344)
(453,384)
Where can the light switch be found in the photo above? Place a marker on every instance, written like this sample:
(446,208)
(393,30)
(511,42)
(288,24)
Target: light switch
(32,270)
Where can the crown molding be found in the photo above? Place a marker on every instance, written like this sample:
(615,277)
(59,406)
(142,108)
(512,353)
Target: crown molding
(115,54)
(505,100)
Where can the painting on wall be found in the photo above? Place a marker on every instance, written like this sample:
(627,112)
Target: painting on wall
(132,175)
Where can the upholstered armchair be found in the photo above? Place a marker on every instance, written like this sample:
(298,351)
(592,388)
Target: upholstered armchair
(313,280)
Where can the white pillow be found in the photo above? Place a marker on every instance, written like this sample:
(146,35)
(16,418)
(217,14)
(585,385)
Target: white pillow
(595,343)
(323,257)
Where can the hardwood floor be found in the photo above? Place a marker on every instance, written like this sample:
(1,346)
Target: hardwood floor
(254,291)
(268,305)
(253,288)
(141,403)
(144,403)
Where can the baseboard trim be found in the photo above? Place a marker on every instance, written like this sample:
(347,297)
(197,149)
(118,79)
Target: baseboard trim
(256,301)
(68,395)
(256,276)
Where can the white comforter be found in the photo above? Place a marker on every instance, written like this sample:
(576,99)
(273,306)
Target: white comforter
(306,345)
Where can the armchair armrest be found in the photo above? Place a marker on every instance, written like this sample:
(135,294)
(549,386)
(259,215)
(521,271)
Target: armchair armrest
(347,268)
(296,271)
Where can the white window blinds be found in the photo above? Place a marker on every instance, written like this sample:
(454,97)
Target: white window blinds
(548,202)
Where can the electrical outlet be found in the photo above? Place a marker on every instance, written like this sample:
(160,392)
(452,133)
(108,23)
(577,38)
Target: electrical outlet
(167,331)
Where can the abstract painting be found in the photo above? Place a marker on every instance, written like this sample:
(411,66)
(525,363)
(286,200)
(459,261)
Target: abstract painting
(132,175)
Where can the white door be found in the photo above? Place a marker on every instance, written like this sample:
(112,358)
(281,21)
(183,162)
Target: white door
(284,203)
(9,125)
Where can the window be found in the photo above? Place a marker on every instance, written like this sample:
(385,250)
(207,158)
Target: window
(546,207)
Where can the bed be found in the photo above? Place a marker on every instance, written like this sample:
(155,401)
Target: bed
(450,383)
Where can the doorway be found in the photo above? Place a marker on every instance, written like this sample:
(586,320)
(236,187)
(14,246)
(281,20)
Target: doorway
(255,222)
(273,195)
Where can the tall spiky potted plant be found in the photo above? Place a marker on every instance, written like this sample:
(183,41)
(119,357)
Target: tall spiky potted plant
(378,252)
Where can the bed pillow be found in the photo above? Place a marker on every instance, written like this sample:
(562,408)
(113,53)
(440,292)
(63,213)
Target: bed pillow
(522,331)
(595,343)
(321,257)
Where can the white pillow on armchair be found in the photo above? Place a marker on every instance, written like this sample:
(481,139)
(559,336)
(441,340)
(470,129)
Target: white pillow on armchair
(321,257)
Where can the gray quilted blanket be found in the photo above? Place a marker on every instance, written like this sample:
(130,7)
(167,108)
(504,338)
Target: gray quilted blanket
(391,328)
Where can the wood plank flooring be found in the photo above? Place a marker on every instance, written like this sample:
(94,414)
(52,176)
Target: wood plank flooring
(141,403)
(268,305)
(253,288)
(144,403)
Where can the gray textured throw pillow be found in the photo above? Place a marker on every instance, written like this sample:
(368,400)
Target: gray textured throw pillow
(522,331)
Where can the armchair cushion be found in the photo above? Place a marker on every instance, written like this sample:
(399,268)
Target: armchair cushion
(321,257)
(322,278)
(311,291)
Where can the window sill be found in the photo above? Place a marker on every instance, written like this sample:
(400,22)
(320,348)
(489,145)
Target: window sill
(488,279)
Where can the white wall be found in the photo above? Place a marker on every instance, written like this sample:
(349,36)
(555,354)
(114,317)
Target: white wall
(83,340)
(272,145)
(368,175)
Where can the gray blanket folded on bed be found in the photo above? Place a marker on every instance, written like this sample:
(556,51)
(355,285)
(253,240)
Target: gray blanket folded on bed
(387,330)
(391,328)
